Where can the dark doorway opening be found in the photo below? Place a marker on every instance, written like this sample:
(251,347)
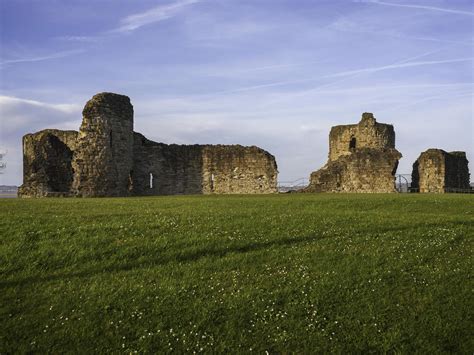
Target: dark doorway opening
(353,143)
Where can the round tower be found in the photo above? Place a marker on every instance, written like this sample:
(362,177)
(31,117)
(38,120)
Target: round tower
(103,160)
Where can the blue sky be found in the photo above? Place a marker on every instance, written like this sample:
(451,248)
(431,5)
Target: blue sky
(272,73)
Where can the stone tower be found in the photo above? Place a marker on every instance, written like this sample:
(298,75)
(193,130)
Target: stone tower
(103,159)
(346,139)
(362,158)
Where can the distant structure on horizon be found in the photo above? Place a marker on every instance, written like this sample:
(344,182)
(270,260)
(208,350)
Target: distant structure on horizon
(107,158)
(362,158)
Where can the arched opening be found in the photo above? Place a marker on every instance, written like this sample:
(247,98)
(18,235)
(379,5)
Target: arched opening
(151,180)
(353,143)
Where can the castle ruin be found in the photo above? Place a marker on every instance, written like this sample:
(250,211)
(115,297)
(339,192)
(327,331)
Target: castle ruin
(107,158)
(362,158)
(438,171)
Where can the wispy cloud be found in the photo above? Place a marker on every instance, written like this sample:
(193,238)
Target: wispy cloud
(55,55)
(6,102)
(346,24)
(86,39)
(401,65)
(349,74)
(446,95)
(155,14)
(423,7)
(344,76)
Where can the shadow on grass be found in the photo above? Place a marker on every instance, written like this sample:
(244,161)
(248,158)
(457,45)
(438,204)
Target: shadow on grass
(155,257)
(154,260)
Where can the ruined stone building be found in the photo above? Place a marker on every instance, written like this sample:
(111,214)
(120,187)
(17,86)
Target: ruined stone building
(362,158)
(106,158)
(438,171)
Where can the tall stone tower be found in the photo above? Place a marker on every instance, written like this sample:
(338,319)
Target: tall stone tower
(103,159)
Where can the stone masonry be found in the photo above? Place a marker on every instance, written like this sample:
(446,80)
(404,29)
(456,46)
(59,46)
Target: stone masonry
(106,158)
(438,171)
(362,158)
(104,155)
(47,163)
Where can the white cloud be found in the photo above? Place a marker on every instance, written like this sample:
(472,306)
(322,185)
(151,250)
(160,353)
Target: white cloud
(21,116)
(422,7)
(7,102)
(55,55)
(156,14)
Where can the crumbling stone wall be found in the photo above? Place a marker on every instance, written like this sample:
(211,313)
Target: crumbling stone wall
(365,170)
(162,169)
(106,158)
(47,163)
(234,169)
(438,171)
(362,158)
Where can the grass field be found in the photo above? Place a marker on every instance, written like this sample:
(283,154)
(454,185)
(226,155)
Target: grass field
(293,272)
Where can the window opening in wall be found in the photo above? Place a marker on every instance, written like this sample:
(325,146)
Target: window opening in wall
(151,180)
(212,182)
(110,138)
(130,181)
(352,144)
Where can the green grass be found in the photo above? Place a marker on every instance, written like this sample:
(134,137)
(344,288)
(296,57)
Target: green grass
(281,273)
